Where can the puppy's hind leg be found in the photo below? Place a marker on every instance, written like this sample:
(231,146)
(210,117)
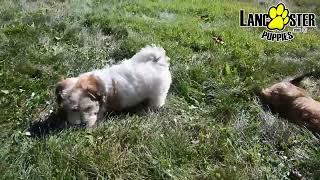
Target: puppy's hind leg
(158,101)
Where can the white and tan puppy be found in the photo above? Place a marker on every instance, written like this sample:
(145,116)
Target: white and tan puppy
(144,77)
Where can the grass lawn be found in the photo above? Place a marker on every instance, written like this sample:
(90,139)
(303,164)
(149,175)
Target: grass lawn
(212,126)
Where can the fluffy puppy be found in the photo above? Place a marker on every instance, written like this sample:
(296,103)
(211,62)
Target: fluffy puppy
(144,77)
(293,103)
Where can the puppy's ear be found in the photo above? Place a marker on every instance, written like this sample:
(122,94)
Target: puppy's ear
(62,85)
(59,88)
(94,86)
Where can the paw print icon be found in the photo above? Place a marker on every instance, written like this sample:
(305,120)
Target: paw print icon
(279,17)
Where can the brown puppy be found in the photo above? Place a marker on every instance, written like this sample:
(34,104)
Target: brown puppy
(293,103)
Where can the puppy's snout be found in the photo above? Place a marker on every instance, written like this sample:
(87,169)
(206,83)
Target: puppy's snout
(83,124)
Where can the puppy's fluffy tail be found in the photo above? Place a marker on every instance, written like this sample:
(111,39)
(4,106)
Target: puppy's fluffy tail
(152,53)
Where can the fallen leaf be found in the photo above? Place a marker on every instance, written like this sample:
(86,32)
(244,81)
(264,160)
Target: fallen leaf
(218,39)
(5,91)
(195,141)
(204,17)
(99,138)
(28,133)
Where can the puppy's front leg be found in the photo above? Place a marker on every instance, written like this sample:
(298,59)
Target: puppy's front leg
(91,124)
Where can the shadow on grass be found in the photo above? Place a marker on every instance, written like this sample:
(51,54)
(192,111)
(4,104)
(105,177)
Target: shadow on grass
(54,122)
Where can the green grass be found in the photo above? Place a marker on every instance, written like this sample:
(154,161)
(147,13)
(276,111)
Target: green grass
(212,126)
